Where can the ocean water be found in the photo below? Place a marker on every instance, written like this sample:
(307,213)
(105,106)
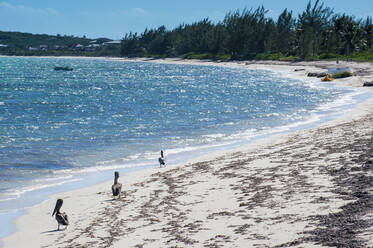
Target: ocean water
(65,129)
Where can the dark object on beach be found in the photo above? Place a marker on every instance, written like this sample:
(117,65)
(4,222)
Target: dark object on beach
(299,70)
(61,218)
(63,68)
(162,160)
(368,84)
(117,187)
(327,78)
(317,74)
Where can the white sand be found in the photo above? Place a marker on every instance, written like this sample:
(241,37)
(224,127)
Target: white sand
(267,193)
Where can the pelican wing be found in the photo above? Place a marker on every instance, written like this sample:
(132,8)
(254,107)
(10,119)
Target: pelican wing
(116,188)
(62,219)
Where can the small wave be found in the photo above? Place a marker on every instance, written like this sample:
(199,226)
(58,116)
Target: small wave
(22,190)
(33,139)
(214,136)
(248,133)
(40,180)
(8,199)
(251,134)
(346,99)
(128,158)
(110,165)
(272,115)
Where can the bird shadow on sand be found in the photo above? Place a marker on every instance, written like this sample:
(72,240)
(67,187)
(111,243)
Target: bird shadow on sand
(52,231)
(115,200)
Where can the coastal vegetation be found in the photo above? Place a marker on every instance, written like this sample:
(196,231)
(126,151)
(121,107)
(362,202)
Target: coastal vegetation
(317,33)
(26,44)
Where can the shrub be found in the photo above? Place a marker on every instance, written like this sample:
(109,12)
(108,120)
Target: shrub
(328,56)
(363,56)
(342,74)
(224,57)
(291,58)
(192,55)
(275,56)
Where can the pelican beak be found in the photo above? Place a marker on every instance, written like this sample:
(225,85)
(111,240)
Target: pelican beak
(55,209)
(58,206)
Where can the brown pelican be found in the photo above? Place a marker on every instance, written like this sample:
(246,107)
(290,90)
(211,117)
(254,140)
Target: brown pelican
(60,217)
(162,160)
(117,187)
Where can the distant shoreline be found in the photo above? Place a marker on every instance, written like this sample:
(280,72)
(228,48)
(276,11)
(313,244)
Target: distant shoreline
(363,70)
(208,200)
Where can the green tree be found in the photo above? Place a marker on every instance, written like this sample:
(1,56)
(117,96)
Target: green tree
(155,41)
(349,33)
(246,32)
(311,23)
(368,32)
(131,46)
(285,32)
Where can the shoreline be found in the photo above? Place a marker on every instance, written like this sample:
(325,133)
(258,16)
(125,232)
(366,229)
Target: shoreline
(166,187)
(363,71)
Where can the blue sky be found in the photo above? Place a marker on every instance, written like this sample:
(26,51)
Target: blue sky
(115,18)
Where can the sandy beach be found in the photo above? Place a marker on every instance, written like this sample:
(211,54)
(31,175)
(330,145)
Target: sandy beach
(309,188)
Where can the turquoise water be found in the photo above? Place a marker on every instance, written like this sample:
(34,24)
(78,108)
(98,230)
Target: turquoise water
(60,129)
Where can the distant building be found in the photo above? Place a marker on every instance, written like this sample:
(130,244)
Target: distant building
(3,46)
(43,47)
(33,49)
(112,43)
(79,46)
(92,47)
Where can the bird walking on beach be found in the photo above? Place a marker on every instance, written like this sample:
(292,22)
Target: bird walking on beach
(61,218)
(162,160)
(117,187)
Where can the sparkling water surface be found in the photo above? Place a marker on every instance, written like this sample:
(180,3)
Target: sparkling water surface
(59,127)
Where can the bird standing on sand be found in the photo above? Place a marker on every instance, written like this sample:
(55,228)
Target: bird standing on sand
(162,160)
(61,218)
(117,187)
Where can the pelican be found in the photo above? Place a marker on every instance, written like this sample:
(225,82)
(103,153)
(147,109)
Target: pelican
(162,160)
(117,187)
(60,217)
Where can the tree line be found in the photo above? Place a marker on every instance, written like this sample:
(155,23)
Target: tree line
(316,33)
(27,44)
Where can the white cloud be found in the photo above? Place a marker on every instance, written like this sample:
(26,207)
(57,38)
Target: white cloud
(22,18)
(5,6)
(138,11)
(51,11)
